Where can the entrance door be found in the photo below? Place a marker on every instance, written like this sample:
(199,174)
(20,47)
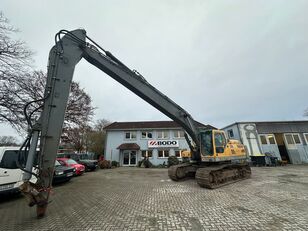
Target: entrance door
(129,158)
(282,147)
(125,158)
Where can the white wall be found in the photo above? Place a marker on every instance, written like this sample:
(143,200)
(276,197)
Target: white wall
(116,138)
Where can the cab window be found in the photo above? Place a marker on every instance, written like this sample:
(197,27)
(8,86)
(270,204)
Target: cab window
(206,143)
(220,142)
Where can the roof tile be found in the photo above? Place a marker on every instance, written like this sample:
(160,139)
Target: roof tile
(149,125)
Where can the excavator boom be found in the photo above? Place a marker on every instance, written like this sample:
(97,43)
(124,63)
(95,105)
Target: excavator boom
(63,58)
(207,147)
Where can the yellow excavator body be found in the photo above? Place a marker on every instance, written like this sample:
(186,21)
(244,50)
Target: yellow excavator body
(223,161)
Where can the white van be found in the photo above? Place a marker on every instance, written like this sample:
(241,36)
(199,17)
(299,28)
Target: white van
(10,174)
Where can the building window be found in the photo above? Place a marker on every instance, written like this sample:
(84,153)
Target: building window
(162,134)
(146,135)
(178,134)
(297,139)
(230,133)
(147,153)
(263,139)
(130,135)
(163,153)
(289,138)
(271,139)
(178,153)
(306,137)
(293,139)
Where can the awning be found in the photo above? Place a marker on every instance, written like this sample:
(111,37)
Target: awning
(129,146)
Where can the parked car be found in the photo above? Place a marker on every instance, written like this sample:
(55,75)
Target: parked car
(62,173)
(10,174)
(82,158)
(80,169)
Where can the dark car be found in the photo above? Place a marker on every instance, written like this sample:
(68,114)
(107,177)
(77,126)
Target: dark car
(62,173)
(82,158)
(79,168)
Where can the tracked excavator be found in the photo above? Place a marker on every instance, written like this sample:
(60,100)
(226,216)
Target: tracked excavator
(214,160)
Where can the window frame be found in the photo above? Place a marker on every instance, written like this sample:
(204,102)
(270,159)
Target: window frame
(163,150)
(306,138)
(178,132)
(178,150)
(299,138)
(292,135)
(130,135)
(263,135)
(268,138)
(229,135)
(163,132)
(221,145)
(147,153)
(147,135)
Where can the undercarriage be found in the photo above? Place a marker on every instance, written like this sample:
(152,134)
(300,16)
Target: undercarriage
(209,175)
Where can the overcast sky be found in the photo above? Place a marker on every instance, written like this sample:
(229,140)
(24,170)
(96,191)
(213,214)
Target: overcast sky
(222,61)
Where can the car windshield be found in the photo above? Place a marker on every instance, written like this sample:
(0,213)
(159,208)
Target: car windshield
(71,161)
(57,163)
(11,158)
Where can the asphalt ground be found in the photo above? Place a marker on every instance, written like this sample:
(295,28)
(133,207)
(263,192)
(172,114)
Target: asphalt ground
(275,198)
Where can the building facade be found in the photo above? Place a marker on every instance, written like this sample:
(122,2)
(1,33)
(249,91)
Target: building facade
(287,140)
(130,142)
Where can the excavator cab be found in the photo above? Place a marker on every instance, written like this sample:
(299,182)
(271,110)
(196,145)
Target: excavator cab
(213,143)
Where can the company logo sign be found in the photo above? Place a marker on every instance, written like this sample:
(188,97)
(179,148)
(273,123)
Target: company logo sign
(163,143)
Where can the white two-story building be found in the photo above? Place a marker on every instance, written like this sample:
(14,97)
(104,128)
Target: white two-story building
(130,142)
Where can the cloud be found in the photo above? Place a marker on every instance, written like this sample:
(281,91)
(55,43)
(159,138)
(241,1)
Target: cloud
(222,61)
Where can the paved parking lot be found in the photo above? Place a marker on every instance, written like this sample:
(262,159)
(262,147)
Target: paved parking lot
(145,199)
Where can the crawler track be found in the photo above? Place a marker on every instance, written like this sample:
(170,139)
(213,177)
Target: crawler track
(181,171)
(210,176)
(218,176)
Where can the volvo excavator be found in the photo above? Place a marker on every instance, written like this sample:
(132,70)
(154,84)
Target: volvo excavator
(214,160)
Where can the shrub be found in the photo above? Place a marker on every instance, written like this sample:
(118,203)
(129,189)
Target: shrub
(115,163)
(104,164)
(173,160)
(145,163)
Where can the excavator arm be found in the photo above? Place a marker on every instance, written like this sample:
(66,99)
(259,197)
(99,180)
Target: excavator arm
(63,58)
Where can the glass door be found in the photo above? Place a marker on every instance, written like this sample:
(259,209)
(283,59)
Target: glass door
(126,158)
(129,158)
(132,159)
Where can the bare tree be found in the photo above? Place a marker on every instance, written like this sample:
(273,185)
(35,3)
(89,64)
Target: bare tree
(15,56)
(19,84)
(15,59)
(97,137)
(8,141)
(86,138)
(76,138)
(101,124)
(30,87)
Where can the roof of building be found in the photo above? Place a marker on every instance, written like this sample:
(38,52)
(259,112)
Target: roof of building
(149,125)
(278,126)
(129,146)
